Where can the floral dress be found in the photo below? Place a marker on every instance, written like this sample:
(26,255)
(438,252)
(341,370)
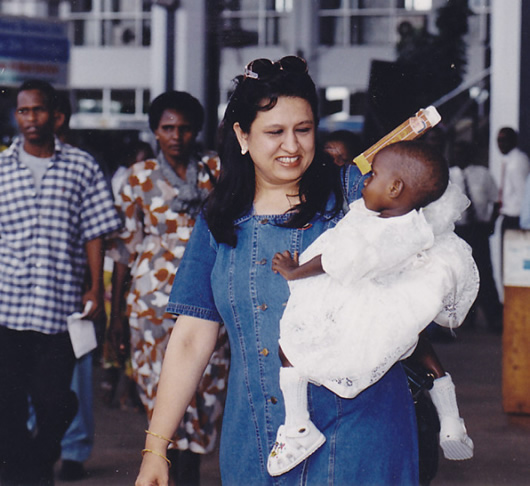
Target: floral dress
(159,211)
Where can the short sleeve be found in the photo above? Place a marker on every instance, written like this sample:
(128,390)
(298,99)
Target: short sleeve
(192,294)
(99,216)
(352,182)
(124,247)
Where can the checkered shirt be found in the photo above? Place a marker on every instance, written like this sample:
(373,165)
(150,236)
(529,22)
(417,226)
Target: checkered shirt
(43,235)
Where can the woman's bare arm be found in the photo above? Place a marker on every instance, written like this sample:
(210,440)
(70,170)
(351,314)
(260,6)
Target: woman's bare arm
(190,346)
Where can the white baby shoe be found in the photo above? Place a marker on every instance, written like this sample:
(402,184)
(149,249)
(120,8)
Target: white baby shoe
(454,441)
(293,445)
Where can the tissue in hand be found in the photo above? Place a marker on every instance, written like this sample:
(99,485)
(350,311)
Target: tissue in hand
(82,332)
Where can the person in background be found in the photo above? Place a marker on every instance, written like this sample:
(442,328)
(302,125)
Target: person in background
(475,226)
(160,201)
(62,117)
(524,219)
(436,137)
(343,146)
(515,167)
(275,192)
(55,212)
(136,152)
(78,441)
(117,382)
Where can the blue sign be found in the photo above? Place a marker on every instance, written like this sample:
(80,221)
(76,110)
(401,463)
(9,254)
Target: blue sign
(30,48)
(33,48)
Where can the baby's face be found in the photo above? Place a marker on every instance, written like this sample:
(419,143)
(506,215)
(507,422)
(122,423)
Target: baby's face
(376,188)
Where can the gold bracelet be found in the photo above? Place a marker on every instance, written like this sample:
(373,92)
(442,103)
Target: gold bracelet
(154,434)
(156,454)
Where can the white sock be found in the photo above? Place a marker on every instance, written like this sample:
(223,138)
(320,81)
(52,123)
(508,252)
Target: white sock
(294,389)
(443,396)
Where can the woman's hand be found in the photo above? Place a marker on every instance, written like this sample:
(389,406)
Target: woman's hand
(284,264)
(153,471)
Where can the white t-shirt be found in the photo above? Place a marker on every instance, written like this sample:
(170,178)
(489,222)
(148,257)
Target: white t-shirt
(482,189)
(515,169)
(36,165)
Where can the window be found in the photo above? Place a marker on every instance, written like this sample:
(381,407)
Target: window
(81,6)
(146,100)
(480,5)
(126,102)
(88,101)
(254,22)
(479,22)
(418,4)
(367,22)
(122,101)
(109,22)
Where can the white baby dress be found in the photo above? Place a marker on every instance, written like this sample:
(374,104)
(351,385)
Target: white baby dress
(386,279)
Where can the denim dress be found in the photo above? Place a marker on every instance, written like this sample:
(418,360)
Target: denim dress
(371,439)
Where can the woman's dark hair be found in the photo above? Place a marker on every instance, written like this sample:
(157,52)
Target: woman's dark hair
(234,193)
(181,102)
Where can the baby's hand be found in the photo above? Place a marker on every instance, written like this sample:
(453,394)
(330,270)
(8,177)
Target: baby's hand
(285,265)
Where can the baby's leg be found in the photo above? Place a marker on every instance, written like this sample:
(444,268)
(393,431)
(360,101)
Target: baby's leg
(427,357)
(454,441)
(298,438)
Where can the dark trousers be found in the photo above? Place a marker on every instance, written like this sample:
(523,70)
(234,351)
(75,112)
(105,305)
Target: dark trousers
(39,366)
(477,235)
(185,467)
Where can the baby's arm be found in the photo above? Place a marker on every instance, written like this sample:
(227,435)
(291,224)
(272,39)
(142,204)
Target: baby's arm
(289,268)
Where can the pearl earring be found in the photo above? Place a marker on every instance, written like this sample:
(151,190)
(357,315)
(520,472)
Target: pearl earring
(244,150)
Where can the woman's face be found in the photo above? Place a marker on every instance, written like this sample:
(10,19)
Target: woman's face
(175,136)
(281,142)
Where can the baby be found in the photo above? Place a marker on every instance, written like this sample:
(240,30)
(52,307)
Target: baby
(388,269)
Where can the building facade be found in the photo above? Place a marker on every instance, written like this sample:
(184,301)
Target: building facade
(118,47)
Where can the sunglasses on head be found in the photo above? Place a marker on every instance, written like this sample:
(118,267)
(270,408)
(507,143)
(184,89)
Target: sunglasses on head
(264,68)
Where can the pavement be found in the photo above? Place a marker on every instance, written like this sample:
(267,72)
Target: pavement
(474,359)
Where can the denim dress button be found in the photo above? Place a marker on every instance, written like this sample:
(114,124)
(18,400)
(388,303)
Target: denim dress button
(264,352)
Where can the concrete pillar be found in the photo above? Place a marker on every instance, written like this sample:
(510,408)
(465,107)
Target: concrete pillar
(506,69)
(158,50)
(524,117)
(190,48)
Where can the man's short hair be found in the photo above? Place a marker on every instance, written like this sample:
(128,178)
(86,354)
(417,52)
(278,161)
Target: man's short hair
(44,87)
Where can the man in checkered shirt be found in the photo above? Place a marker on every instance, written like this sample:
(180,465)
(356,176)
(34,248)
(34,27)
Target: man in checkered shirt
(55,209)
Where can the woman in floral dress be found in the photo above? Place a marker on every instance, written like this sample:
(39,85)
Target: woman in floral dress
(159,201)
